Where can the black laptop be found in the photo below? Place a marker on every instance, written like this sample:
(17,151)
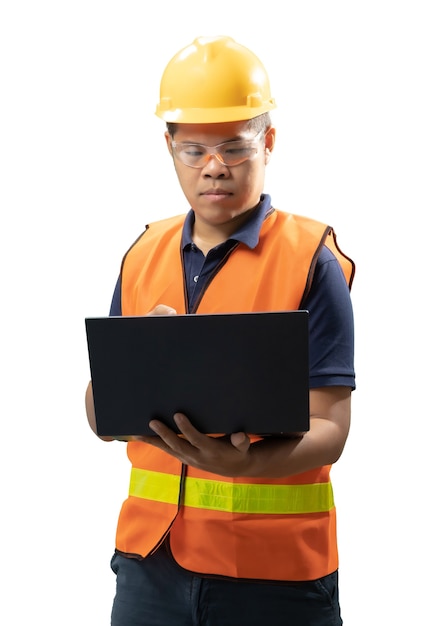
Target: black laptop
(227,372)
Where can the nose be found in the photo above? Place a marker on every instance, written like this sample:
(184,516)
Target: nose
(214,168)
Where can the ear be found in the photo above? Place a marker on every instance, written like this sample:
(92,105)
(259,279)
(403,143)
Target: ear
(270,138)
(168,142)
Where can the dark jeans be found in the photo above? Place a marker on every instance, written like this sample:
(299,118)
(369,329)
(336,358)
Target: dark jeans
(157,592)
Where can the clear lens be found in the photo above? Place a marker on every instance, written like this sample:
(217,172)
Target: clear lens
(229,153)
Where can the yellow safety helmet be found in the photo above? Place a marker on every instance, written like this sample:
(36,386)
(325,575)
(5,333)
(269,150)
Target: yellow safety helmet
(214,79)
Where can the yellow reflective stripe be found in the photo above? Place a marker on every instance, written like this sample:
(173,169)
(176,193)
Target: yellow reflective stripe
(244,498)
(233,497)
(154,486)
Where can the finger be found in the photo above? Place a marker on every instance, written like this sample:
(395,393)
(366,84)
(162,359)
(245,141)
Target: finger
(189,431)
(162,309)
(161,429)
(167,439)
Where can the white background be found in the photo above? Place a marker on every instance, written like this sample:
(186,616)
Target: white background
(83,167)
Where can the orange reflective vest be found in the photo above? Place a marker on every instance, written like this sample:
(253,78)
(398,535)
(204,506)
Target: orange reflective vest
(255,528)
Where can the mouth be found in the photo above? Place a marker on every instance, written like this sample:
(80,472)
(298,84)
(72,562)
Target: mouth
(216,193)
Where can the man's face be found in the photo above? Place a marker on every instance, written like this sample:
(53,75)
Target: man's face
(218,193)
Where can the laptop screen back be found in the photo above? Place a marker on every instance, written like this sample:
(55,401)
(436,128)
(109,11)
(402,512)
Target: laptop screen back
(227,372)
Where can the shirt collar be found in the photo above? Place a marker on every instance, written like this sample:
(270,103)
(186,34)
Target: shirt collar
(247,234)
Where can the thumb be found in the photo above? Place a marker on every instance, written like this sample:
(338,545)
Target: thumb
(240,441)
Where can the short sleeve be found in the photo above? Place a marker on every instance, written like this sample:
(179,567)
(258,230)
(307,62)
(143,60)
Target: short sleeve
(331,326)
(116,302)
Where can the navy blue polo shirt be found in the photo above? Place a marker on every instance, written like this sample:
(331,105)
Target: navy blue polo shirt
(331,326)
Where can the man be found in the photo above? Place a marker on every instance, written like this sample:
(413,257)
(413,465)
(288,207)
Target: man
(190,550)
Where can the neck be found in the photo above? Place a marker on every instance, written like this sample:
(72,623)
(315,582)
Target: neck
(206,235)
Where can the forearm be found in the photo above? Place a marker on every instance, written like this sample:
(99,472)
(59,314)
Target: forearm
(330,413)
(274,458)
